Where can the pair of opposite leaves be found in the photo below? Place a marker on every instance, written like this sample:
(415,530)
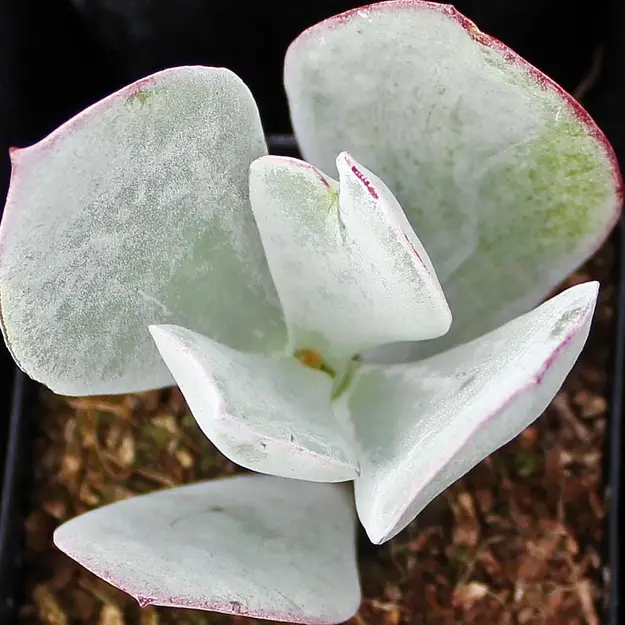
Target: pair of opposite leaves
(137,212)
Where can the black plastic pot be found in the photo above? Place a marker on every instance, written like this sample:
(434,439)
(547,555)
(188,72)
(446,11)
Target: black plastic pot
(13,498)
(615,443)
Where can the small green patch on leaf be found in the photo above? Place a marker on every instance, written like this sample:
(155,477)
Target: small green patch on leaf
(343,384)
(141,96)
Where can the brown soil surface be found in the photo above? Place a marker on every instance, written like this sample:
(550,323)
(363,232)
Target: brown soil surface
(517,541)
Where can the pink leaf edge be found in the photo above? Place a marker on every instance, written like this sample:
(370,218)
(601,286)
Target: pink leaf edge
(228,607)
(403,238)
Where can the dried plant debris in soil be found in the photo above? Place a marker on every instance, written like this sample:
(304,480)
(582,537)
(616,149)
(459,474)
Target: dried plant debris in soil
(518,540)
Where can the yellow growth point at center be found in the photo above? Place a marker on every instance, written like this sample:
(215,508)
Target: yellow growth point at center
(314,360)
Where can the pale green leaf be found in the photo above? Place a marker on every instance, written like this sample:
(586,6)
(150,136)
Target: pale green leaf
(135,212)
(256,546)
(272,415)
(350,272)
(421,426)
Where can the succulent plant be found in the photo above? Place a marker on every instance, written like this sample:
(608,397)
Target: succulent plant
(151,239)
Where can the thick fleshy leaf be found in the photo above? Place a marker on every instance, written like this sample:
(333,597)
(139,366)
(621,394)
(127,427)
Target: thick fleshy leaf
(257,546)
(350,272)
(506,179)
(272,415)
(422,426)
(136,212)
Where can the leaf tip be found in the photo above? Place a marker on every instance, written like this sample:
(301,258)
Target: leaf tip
(14,153)
(378,534)
(61,538)
(347,166)
(271,162)
(592,287)
(144,601)
(588,292)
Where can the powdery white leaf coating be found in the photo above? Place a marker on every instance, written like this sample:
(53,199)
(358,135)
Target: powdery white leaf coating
(422,426)
(136,212)
(257,546)
(272,415)
(508,182)
(349,270)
